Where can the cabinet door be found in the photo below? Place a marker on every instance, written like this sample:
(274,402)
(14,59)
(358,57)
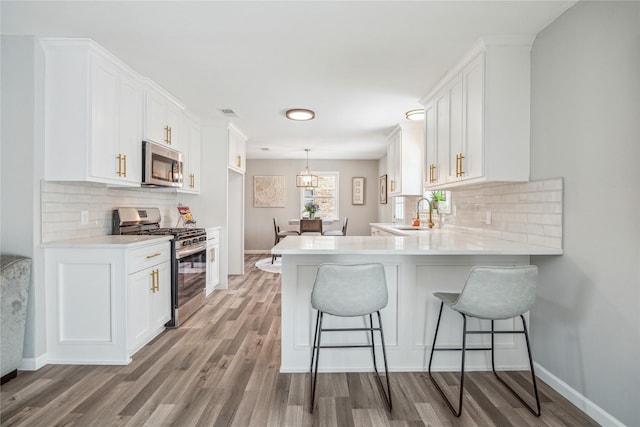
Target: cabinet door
(213,269)
(192,151)
(195,155)
(394,162)
(397,160)
(241,155)
(473,83)
(431,152)
(454,97)
(155,128)
(139,308)
(237,150)
(130,130)
(174,124)
(442,138)
(161,297)
(104,119)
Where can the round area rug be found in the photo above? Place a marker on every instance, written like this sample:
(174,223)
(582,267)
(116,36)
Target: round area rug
(265,265)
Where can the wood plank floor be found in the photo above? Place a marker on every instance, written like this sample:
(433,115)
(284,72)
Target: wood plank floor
(221,369)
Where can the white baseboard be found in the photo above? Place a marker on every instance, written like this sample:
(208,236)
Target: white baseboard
(33,363)
(601,416)
(257,251)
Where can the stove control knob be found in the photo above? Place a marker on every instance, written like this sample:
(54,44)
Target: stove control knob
(186,243)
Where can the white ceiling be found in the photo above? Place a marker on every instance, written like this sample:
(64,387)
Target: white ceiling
(359,65)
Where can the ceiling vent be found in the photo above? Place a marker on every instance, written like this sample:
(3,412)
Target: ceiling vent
(228,112)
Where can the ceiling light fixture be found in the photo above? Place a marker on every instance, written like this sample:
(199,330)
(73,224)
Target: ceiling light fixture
(417,114)
(306,179)
(300,114)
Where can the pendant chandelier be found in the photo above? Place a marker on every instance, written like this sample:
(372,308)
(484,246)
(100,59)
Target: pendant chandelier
(306,179)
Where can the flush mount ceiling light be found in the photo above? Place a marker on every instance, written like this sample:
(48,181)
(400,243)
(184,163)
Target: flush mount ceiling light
(306,179)
(300,114)
(417,114)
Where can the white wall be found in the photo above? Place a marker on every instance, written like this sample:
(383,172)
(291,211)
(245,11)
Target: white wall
(585,127)
(22,169)
(259,235)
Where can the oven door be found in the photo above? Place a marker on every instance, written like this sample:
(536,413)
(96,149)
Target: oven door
(191,281)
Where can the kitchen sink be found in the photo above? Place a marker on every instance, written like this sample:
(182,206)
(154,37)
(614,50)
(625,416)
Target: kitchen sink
(411,227)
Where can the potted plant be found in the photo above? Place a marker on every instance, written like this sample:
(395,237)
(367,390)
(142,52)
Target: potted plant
(311,208)
(437,196)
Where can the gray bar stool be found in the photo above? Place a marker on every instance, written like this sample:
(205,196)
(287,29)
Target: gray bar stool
(349,291)
(492,293)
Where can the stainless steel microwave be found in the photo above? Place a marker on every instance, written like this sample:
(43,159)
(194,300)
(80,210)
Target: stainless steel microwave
(161,166)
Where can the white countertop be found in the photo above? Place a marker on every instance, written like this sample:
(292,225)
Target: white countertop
(108,241)
(428,242)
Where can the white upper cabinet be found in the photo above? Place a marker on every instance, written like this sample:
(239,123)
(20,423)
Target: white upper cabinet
(191,148)
(93,114)
(477,120)
(404,164)
(237,150)
(162,117)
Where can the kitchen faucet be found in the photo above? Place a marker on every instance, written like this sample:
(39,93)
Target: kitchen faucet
(430,210)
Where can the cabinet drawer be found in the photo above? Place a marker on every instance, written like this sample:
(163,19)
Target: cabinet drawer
(149,256)
(213,237)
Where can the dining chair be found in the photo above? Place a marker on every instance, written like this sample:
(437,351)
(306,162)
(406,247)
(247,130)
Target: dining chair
(350,291)
(342,232)
(492,293)
(280,235)
(311,227)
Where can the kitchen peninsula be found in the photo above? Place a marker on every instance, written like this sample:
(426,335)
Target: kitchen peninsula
(416,265)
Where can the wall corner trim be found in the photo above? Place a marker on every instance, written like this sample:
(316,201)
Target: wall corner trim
(33,363)
(601,416)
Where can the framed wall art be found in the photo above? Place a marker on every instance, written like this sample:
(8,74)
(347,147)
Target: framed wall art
(357,190)
(269,191)
(383,189)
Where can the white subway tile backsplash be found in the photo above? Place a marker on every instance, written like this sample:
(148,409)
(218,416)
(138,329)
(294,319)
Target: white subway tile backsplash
(551,219)
(524,212)
(62,203)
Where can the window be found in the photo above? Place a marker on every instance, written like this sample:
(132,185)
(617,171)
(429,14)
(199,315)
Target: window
(325,195)
(398,208)
(444,200)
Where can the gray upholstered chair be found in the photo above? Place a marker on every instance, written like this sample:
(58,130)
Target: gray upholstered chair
(342,232)
(349,291)
(16,277)
(280,234)
(491,293)
(311,227)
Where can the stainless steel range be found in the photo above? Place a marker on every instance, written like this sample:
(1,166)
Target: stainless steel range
(188,264)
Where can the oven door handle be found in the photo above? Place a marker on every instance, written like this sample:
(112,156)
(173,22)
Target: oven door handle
(186,252)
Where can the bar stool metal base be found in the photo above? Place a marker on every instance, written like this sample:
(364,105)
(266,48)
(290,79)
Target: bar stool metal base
(315,355)
(457,412)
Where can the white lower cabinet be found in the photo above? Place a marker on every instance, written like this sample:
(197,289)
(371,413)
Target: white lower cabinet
(213,259)
(105,300)
(149,303)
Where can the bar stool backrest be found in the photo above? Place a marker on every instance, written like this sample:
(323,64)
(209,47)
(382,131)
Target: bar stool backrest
(349,290)
(498,292)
